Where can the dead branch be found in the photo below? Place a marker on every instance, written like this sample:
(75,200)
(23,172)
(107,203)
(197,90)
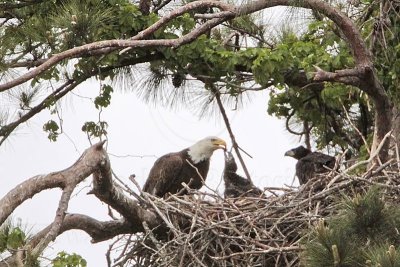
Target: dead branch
(90,160)
(235,145)
(98,230)
(107,191)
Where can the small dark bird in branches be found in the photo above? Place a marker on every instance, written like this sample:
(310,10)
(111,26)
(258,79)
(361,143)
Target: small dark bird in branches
(310,163)
(236,185)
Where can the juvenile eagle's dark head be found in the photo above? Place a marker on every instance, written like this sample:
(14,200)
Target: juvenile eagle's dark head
(230,163)
(298,152)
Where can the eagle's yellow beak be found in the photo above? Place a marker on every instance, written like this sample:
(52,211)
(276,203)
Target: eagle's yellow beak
(219,143)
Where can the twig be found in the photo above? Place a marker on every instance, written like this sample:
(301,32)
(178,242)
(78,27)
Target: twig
(363,162)
(228,127)
(356,129)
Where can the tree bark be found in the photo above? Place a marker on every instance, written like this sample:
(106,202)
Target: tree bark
(93,161)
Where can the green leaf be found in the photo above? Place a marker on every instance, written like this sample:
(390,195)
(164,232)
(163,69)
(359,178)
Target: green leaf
(104,99)
(64,259)
(52,128)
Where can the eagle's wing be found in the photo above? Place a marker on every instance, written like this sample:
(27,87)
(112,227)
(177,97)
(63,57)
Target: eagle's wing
(321,161)
(305,169)
(312,164)
(162,174)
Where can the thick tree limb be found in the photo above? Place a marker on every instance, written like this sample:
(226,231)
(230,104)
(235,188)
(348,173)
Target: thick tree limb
(67,179)
(348,76)
(105,190)
(90,160)
(98,230)
(134,42)
(93,160)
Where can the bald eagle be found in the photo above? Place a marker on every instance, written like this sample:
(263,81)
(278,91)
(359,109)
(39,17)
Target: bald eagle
(310,163)
(236,185)
(173,169)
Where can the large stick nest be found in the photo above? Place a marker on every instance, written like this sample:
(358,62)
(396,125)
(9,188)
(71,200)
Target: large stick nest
(203,229)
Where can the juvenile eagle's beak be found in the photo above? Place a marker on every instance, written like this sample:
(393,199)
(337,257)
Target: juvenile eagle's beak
(219,143)
(289,153)
(228,155)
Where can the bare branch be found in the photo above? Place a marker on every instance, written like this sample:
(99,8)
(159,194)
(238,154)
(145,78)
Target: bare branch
(98,230)
(56,225)
(90,160)
(228,127)
(105,190)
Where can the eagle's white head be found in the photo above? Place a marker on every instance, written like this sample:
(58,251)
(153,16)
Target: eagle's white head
(204,148)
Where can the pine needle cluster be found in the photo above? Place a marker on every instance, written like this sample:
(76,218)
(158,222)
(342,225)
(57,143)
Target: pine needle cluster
(364,233)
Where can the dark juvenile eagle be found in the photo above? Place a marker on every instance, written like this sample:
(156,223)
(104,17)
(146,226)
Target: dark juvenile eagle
(236,185)
(310,163)
(171,170)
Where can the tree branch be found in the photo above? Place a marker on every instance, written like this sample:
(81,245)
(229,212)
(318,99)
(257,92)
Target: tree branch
(6,130)
(134,42)
(228,127)
(349,29)
(90,160)
(67,87)
(93,160)
(57,223)
(348,76)
(105,190)
(98,230)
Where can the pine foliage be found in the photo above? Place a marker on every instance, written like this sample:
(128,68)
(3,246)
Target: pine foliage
(364,233)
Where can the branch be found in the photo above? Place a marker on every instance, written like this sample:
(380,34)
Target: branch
(347,76)
(56,225)
(134,42)
(90,160)
(105,190)
(228,127)
(346,25)
(371,158)
(6,130)
(93,160)
(67,87)
(98,230)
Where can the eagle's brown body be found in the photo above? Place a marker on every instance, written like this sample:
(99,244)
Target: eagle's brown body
(189,166)
(172,170)
(310,163)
